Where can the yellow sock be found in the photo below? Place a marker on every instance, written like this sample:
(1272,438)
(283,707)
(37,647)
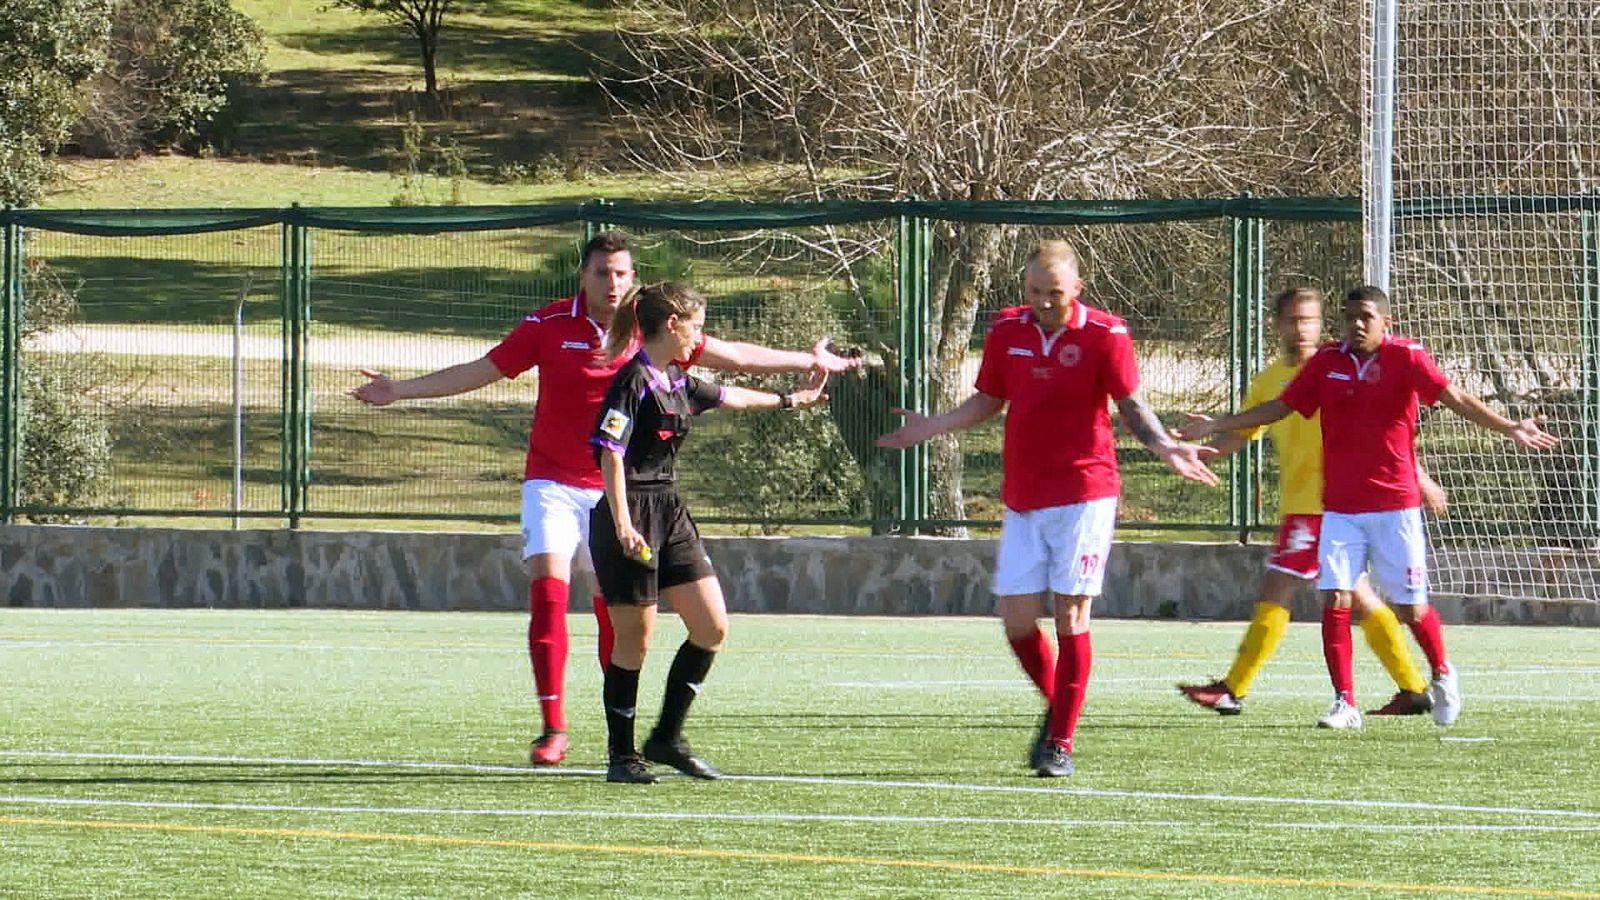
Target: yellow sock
(1382,630)
(1260,639)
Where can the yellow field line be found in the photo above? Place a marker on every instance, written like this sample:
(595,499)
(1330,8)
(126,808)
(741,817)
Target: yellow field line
(813,859)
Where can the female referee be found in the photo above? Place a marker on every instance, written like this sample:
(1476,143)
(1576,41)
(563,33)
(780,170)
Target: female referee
(644,545)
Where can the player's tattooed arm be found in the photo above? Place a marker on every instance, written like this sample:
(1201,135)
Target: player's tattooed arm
(1142,421)
(1188,460)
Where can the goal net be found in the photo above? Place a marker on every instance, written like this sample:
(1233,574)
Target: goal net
(1482,148)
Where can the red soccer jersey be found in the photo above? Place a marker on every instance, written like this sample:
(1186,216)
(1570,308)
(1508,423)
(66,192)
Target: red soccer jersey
(1369,421)
(1059,448)
(564,343)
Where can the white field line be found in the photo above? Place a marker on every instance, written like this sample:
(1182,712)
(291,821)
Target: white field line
(717,816)
(829,782)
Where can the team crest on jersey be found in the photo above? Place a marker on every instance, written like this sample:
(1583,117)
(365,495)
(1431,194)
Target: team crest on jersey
(615,424)
(1069,355)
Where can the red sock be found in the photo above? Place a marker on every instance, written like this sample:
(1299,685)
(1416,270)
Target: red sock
(1033,651)
(547,647)
(1336,651)
(608,637)
(1430,637)
(1072,683)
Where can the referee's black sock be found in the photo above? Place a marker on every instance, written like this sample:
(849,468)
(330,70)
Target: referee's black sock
(621,693)
(688,670)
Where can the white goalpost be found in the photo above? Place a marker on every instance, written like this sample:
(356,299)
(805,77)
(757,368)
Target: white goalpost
(1481,159)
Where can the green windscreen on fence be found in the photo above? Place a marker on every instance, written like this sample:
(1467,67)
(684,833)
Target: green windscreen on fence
(189,365)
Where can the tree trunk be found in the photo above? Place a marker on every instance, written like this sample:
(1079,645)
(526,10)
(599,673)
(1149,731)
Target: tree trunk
(961,282)
(430,53)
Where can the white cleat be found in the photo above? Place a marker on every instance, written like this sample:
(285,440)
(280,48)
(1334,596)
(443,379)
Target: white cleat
(1340,715)
(1445,692)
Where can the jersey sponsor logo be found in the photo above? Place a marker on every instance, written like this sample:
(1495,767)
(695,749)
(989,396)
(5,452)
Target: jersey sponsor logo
(575,345)
(615,424)
(1119,329)
(1018,351)
(1069,355)
(1339,376)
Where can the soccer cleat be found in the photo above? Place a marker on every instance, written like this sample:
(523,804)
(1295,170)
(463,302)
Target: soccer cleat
(1404,703)
(1057,762)
(1445,692)
(549,750)
(677,754)
(1342,714)
(629,770)
(1214,696)
(1041,742)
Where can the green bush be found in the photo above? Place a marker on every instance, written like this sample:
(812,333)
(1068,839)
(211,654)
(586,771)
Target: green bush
(777,463)
(66,444)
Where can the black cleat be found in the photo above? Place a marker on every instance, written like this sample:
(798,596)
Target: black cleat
(1041,742)
(677,755)
(629,770)
(1057,762)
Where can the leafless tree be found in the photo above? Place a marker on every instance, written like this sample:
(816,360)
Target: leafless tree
(1005,99)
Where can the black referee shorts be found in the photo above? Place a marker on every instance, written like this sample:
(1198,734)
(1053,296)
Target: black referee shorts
(678,556)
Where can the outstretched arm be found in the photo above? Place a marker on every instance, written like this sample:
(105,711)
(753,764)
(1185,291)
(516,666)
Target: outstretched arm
(810,394)
(742,357)
(1185,459)
(1224,444)
(975,410)
(1254,417)
(1525,433)
(381,390)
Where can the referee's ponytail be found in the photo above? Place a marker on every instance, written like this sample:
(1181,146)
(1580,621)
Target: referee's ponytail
(645,313)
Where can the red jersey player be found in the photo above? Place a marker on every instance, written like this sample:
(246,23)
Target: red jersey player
(1053,365)
(561,479)
(1367,388)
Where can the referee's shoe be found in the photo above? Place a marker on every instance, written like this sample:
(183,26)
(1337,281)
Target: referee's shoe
(676,753)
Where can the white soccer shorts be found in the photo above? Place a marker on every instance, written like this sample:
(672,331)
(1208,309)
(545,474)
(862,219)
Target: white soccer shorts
(555,519)
(1392,542)
(1058,548)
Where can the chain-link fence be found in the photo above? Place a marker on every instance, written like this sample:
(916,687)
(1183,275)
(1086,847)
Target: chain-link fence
(195,364)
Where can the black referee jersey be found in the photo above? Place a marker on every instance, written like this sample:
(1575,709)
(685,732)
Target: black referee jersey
(645,417)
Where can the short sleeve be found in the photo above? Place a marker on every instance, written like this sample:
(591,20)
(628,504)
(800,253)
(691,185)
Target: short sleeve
(703,395)
(992,370)
(1304,393)
(518,351)
(1426,378)
(614,426)
(1261,390)
(1121,374)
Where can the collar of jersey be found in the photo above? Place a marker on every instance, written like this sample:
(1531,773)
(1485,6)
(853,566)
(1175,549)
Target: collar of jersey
(658,378)
(580,308)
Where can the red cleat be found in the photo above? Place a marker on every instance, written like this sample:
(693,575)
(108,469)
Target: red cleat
(549,750)
(1404,703)
(1214,696)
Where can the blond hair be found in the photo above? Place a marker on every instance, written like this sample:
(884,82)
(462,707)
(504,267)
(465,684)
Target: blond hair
(1048,254)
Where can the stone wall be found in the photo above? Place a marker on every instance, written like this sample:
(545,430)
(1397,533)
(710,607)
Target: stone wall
(66,566)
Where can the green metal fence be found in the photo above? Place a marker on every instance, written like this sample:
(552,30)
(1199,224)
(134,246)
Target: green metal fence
(194,364)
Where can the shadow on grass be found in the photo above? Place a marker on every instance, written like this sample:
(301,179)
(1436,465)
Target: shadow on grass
(467,301)
(501,49)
